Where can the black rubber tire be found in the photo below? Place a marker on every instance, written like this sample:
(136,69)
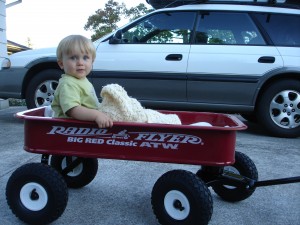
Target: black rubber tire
(40,90)
(180,198)
(82,175)
(243,166)
(291,90)
(36,193)
(250,117)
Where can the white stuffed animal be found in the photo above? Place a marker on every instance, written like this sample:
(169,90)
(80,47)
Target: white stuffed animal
(120,107)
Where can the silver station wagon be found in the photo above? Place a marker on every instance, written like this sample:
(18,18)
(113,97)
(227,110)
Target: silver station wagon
(233,57)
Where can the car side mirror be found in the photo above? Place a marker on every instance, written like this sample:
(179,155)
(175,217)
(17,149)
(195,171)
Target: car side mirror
(116,38)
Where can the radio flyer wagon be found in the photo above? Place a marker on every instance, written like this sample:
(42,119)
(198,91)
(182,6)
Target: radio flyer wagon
(37,193)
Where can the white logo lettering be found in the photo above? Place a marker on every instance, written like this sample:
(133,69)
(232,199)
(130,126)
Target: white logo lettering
(124,138)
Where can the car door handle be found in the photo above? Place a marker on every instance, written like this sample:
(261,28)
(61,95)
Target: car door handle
(266,59)
(174,57)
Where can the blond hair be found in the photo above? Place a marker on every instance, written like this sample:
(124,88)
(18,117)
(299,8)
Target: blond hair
(75,43)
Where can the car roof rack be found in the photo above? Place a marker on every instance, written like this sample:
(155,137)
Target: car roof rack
(158,4)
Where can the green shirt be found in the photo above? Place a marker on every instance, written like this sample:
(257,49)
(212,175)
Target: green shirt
(72,92)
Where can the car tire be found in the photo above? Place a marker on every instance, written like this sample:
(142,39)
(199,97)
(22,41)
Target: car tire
(179,197)
(250,117)
(243,166)
(36,193)
(81,175)
(41,88)
(278,109)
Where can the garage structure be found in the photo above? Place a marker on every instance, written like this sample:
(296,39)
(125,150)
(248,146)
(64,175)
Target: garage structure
(3,41)
(7,47)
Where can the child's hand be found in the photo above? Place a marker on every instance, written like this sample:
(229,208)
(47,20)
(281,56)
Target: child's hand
(103,120)
(86,114)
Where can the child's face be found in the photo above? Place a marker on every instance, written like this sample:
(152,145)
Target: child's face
(76,64)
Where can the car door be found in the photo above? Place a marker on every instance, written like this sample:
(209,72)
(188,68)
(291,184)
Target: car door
(150,58)
(227,60)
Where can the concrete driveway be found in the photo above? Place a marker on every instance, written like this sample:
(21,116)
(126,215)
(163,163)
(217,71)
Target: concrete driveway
(120,194)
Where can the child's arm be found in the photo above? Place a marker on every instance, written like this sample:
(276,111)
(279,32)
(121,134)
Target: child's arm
(86,114)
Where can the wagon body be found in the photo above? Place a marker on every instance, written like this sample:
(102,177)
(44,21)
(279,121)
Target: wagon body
(38,191)
(183,144)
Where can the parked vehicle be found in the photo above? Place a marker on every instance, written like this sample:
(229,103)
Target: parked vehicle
(223,57)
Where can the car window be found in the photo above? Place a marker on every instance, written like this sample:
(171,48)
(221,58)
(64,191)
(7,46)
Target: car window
(162,28)
(284,30)
(224,28)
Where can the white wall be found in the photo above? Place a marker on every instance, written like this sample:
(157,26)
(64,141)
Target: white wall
(3,40)
(3,48)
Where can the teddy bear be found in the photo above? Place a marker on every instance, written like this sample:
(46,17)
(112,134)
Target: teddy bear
(120,107)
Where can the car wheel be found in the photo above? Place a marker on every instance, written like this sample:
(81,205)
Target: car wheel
(36,193)
(250,117)
(180,198)
(84,171)
(41,88)
(278,109)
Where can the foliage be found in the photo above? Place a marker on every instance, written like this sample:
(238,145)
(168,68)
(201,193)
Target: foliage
(136,12)
(105,20)
(16,102)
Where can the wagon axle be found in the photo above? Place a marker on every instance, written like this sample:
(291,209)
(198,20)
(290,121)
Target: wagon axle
(34,195)
(178,205)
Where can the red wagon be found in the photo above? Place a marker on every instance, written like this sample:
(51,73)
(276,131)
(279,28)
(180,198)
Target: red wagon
(38,191)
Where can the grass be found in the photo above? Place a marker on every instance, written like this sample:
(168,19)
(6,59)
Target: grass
(16,102)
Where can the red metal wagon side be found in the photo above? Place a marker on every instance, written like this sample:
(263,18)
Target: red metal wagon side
(185,144)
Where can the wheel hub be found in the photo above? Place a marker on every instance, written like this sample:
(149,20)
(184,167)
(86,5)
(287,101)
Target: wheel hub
(74,172)
(33,196)
(44,94)
(177,205)
(285,109)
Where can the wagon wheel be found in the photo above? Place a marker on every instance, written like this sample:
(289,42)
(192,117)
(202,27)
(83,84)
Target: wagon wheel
(243,166)
(36,193)
(181,198)
(76,171)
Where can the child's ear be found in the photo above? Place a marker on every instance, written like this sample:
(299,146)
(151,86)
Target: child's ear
(60,63)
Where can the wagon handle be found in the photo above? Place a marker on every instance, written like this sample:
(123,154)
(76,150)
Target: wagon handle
(237,180)
(288,180)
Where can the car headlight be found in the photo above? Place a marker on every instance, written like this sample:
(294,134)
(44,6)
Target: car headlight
(5,63)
